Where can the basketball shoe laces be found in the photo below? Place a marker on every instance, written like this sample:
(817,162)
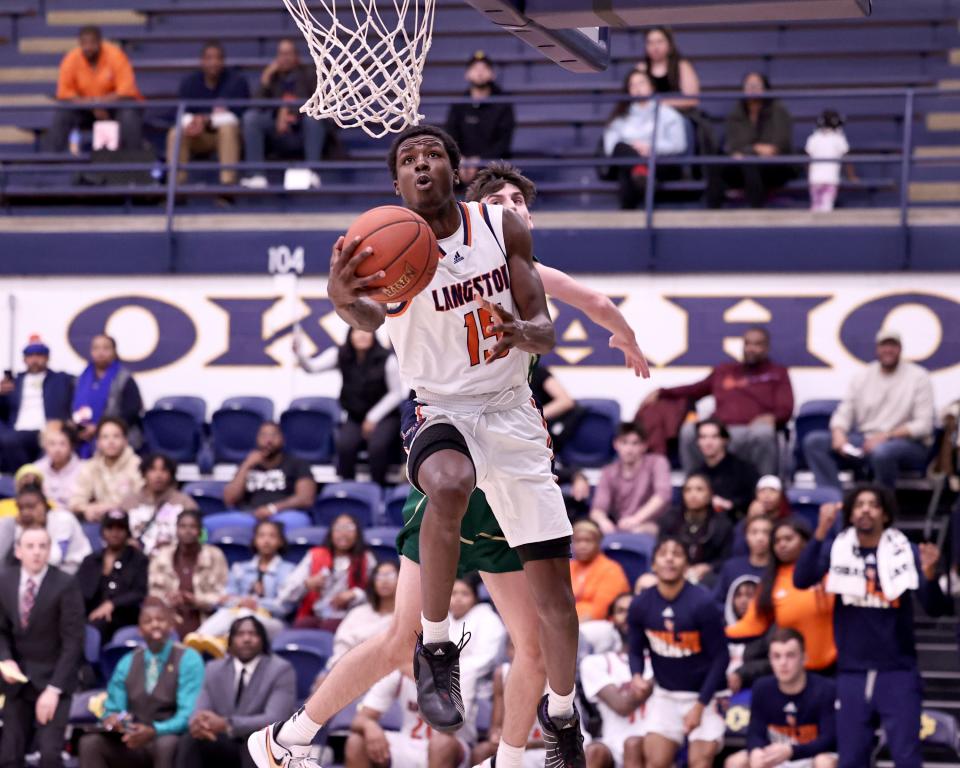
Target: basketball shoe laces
(447,675)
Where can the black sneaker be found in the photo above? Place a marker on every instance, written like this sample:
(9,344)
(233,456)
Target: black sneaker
(562,739)
(436,668)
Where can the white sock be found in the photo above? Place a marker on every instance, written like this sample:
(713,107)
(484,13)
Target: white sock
(509,757)
(435,631)
(299,730)
(560,706)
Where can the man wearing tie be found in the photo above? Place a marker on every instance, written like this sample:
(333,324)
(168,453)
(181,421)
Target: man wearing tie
(41,646)
(150,698)
(242,693)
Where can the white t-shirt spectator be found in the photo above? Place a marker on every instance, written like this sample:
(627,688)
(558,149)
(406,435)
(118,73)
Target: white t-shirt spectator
(31,417)
(826,144)
(597,671)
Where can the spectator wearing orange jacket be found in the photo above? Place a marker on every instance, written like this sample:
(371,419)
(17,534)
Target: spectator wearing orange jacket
(596,579)
(96,71)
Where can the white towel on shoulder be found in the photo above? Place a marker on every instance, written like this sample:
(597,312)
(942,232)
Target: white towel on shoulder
(896,567)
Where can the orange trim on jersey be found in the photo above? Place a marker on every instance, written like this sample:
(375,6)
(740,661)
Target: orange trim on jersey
(796,734)
(401,308)
(467,233)
(544,422)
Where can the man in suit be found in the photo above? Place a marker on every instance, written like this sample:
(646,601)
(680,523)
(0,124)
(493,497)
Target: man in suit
(41,647)
(31,400)
(242,693)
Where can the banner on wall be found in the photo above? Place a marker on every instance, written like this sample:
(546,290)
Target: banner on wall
(219,336)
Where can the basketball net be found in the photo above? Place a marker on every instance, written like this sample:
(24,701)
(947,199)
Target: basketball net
(369,68)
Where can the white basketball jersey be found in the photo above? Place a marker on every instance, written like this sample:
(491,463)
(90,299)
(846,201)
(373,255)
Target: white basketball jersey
(397,687)
(440,335)
(596,673)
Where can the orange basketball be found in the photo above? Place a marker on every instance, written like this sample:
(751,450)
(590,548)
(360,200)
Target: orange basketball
(403,246)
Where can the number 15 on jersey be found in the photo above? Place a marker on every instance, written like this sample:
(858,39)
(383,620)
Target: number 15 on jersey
(476,323)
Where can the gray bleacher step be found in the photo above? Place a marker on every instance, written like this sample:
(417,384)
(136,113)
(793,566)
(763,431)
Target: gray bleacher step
(938,657)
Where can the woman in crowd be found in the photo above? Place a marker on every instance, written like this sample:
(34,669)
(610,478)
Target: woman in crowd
(669,72)
(740,575)
(705,533)
(154,509)
(371,617)
(110,476)
(332,578)
(370,396)
(28,474)
(59,464)
(188,576)
(770,502)
(105,389)
(596,579)
(68,543)
(114,580)
(629,134)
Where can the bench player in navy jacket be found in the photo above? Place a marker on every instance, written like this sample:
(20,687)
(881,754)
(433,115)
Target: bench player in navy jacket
(872,568)
(682,628)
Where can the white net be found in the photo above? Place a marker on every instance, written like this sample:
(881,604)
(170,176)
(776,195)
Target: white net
(369,60)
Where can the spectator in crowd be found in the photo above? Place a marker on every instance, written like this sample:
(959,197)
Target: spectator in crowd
(634,491)
(242,693)
(270,480)
(481,129)
(739,576)
(96,71)
(370,396)
(669,72)
(332,578)
(753,399)
(110,476)
(732,479)
(629,133)
(205,129)
(808,610)
(885,421)
(59,465)
(757,126)
(190,577)
(793,717)
(31,399)
(827,145)
(769,503)
(369,618)
(596,579)
(68,544)
(41,649)
(682,629)
(106,390)
(252,587)
(153,510)
(705,532)
(609,686)
(283,129)
(28,474)
(150,697)
(560,410)
(114,580)
(872,568)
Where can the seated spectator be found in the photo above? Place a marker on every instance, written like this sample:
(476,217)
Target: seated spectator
(609,686)
(30,400)
(668,70)
(373,616)
(756,127)
(150,697)
(242,693)
(270,480)
(252,587)
(110,476)
(106,390)
(827,145)
(705,532)
(732,479)
(481,130)
(283,129)
(793,719)
(41,647)
(753,398)
(190,577)
(778,601)
(629,134)
(332,578)
(68,543)
(596,579)
(769,503)
(370,396)
(59,464)
(207,129)
(560,410)
(885,421)
(739,576)
(28,474)
(114,580)
(154,509)
(633,492)
(96,71)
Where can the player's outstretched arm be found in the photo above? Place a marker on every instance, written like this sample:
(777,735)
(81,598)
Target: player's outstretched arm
(348,292)
(601,310)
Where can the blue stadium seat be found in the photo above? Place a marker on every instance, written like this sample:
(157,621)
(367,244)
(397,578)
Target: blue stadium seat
(233,431)
(308,650)
(362,500)
(392,719)
(806,502)
(301,540)
(173,432)
(232,519)
(80,713)
(92,532)
(591,444)
(813,416)
(382,542)
(8,488)
(234,541)
(309,426)
(195,406)
(91,645)
(394,501)
(115,650)
(340,723)
(633,551)
(255,403)
(208,494)
(292,519)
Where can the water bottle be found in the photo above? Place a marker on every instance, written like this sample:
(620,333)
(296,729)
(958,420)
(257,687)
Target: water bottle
(75,142)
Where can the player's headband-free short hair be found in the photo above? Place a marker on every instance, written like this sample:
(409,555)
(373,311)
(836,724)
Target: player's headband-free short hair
(416,131)
(495,176)
(671,539)
(785,635)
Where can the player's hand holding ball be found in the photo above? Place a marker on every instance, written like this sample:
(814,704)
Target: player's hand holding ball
(344,286)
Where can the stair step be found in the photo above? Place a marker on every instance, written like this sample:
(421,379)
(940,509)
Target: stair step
(943,121)
(935,192)
(117,17)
